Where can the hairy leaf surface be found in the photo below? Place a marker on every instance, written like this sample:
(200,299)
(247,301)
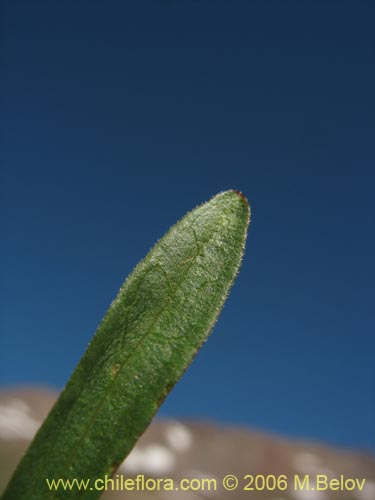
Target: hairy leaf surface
(151,332)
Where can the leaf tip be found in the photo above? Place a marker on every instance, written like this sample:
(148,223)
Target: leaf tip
(243,199)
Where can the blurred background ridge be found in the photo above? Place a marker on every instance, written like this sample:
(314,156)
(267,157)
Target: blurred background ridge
(181,449)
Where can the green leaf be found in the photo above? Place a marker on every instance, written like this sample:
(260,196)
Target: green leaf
(160,318)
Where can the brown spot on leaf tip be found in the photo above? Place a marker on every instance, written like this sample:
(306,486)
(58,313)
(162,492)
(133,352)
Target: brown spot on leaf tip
(242,197)
(240,194)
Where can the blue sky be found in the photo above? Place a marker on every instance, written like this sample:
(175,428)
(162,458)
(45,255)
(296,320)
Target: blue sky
(121,116)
